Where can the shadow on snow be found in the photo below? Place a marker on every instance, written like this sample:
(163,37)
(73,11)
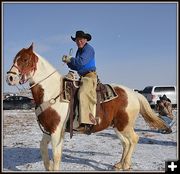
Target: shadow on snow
(19,156)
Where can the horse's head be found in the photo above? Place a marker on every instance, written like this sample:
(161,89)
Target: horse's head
(23,68)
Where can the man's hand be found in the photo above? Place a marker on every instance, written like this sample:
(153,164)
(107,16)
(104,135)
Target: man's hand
(66,59)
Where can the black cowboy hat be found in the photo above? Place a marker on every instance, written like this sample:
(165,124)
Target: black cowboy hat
(81,34)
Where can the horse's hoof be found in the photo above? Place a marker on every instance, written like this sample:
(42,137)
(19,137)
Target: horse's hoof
(118,166)
(126,167)
(50,168)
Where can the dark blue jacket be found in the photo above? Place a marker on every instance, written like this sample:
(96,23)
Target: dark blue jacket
(84,60)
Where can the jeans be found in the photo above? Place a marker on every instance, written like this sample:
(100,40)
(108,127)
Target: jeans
(166,119)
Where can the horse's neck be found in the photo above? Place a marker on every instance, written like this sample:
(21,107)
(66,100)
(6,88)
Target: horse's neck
(48,77)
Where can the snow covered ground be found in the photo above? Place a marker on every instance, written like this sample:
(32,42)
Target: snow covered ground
(95,152)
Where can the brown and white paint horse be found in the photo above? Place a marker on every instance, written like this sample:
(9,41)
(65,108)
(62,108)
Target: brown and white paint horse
(45,85)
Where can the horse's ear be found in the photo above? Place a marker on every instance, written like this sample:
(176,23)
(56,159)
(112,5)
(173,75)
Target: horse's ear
(31,47)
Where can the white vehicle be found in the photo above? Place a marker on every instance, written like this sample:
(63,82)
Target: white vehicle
(152,94)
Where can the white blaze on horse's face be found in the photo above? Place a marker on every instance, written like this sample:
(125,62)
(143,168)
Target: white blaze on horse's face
(23,67)
(13,75)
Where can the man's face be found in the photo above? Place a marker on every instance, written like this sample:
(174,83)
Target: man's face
(81,42)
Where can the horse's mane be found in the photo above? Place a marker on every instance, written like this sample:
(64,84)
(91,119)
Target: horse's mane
(46,62)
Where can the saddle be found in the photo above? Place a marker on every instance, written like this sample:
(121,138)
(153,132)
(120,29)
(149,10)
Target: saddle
(71,84)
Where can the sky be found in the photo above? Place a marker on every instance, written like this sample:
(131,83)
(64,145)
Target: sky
(135,43)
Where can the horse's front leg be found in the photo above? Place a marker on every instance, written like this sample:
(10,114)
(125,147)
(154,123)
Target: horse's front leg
(57,145)
(44,150)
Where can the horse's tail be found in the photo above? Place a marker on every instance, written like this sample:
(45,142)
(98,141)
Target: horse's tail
(149,115)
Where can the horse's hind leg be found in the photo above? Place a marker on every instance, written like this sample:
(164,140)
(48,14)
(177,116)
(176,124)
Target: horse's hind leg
(133,140)
(44,150)
(129,140)
(125,144)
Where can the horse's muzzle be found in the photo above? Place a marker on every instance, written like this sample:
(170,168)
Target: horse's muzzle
(12,79)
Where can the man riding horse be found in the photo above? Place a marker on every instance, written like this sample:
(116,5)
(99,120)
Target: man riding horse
(119,113)
(84,64)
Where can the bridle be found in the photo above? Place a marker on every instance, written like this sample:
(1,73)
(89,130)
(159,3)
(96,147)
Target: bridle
(11,72)
(23,72)
(21,75)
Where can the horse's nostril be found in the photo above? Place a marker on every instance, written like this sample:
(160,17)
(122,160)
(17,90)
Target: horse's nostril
(11,78)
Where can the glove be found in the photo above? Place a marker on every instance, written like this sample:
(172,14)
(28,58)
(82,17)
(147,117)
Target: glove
(66,59)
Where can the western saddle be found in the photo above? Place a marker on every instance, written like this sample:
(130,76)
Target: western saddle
(105,93)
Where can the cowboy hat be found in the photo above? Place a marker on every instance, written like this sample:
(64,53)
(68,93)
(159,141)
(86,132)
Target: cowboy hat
(81,34)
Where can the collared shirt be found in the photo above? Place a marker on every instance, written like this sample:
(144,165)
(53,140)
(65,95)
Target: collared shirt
(84,60)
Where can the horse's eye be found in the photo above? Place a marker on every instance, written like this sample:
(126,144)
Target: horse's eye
(25,59)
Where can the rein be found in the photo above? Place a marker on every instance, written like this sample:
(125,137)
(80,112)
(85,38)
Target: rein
(22,73)
(42,79)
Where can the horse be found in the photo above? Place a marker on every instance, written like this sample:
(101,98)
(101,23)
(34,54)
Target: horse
(45,84)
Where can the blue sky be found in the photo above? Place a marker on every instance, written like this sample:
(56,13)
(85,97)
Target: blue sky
(135,43)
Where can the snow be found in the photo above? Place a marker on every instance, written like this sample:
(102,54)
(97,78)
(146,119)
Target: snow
(95,152)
